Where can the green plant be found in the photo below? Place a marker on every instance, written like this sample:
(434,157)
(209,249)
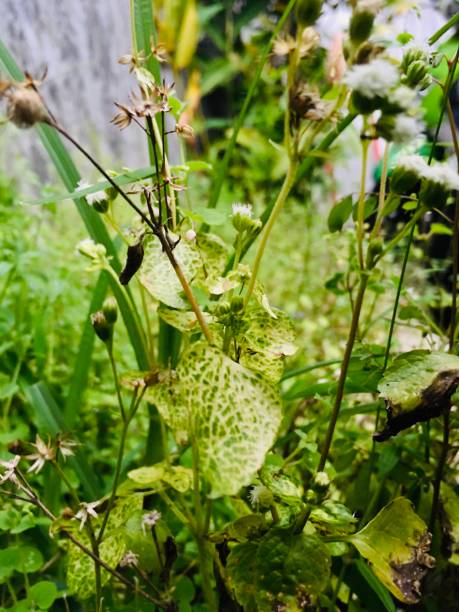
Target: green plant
(243,496)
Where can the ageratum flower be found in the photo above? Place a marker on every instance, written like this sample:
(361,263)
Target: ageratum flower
(372,80)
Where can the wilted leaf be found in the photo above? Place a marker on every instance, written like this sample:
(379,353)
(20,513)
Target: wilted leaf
(396,544)
(417,387)
(158,276)
(285,571)
(233,414)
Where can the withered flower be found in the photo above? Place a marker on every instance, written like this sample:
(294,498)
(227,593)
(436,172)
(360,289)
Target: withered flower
(146,106)
(124,117)
(159,51)
(306,103)
(24,106)
(184,130)
(283,45)
(66,445)
(85,512)
(44,452)
(310,39)
(134,60)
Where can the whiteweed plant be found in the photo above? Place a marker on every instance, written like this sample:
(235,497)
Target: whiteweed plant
(242,501)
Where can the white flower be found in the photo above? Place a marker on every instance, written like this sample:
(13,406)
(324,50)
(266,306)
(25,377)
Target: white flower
(372,80)
(444,175)
(243,210)
(90,249)
(190,235)
(44,453)
(150,519)
(66,445)
(259,494)
(86,510)
(405,129)
(403,96)
(413,163)
(130,559)
(10,470)
(92,198)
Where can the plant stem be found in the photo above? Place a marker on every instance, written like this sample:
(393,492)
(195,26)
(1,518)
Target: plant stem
(361,204)
(452,332)
(280,201)
(343,373)
(116,381)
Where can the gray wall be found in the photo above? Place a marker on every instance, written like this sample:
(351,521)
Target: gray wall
(80,42)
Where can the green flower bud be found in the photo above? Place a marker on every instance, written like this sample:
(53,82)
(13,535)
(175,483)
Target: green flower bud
(403,181)
(416,73)
(111,193)
(110,310)
(237,304)
(375,248)
(103,329)
(321,482)
(308,12)
(361,26)
(261,497)
(365,105)
(101,206)
(385,126)
(412,55)
(433,194)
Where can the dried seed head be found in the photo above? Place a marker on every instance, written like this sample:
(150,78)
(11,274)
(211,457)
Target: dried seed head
(307,104)
(134,260)
(25,107)
(124,117)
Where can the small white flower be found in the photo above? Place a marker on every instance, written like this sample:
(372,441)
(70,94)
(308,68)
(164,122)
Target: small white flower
(92,198)
(405,129)
(130,559)
(90,249)
(66,446)
(150,519)
(190,235)
(444,175)
(44,453)
(86,510)
(10,470)
(403,96)
(243,210)
(372,80)
(259,494)
(413,163)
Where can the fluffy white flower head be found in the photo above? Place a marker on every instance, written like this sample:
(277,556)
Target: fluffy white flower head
(413,163)
(403,96)
(243,210)
(444,175)
(369,6)
(372,80)
(406,129)
(92,198)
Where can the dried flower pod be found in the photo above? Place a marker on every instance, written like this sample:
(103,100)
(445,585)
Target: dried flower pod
(134,260)
(25,107)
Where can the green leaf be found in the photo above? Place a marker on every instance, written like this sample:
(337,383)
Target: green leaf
(266,343)
(333,517)
(417,387)
(396,544)
(233,414)
(178,477)
(80,569)
(283,570)
(339,214)
(43,594)
(157,274)
(450,523)
(184,320)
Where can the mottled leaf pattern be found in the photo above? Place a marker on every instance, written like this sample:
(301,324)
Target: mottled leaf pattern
(233,413)
(158,276)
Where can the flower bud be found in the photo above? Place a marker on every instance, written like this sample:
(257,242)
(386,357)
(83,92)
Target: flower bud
(412,55)
(308,12)
(237,304)
(25,107)
(375,248)
(111,193)
(433,194)
(361,26)
(242,217)
(321,482)
(110,310)
(101,206)
(416,73)
(103,329)
(403,181)
(90,249)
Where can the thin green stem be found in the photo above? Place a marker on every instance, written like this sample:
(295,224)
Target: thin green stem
(361,204)
(116,381)
(280,201)
(343,373)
